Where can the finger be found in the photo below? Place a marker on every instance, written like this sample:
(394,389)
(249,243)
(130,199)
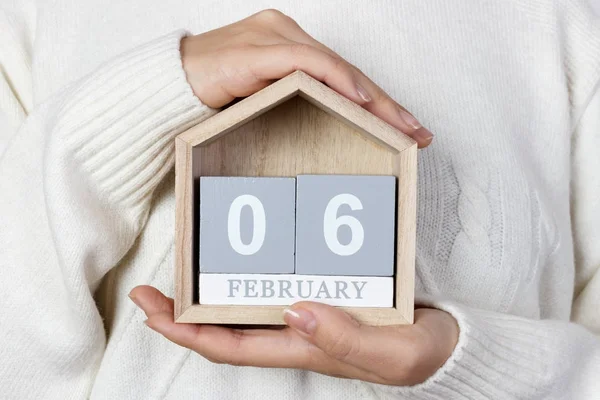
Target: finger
(151,300)
(259,348)
(382,104)
(393,113)
(243,71)
(277,61)
(382,351)
(345,79)
(159,307)
(268,348)
(292,31)
(252,347)
(282,348)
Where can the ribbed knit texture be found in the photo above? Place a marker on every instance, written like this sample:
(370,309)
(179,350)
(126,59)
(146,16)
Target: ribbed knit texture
(503,357)
(138,102)
(92,96)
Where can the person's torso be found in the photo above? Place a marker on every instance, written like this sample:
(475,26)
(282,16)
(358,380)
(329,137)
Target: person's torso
(493,200)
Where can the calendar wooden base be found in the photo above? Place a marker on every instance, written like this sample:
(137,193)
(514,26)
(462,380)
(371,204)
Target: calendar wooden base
(295,126)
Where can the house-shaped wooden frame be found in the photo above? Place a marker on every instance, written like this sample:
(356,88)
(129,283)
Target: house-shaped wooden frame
(295,126)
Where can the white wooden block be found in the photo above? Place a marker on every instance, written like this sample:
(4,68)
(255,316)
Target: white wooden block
(272,290)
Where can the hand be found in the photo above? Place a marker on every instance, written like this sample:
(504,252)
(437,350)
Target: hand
(318,338)
(242,58)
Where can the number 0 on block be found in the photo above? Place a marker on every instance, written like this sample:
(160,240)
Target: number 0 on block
(247,225)
(259,223)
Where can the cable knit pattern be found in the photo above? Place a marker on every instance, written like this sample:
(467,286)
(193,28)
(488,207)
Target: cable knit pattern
(508,212)
(451,225)
(472,243)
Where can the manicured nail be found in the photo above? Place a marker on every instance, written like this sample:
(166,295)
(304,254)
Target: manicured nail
(300,319)
(409,119)
(135,300)
(362,93)
(424,134)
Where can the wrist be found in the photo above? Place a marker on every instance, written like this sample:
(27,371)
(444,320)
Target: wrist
(438,333)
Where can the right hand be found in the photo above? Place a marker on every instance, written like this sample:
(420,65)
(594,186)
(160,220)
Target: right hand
(238,60)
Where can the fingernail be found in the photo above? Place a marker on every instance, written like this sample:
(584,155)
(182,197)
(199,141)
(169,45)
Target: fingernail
(409,118)
(362,93)
(424,134)
(135,300)
(300,319)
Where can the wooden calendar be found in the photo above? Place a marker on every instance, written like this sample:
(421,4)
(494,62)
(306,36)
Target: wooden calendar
(294,193)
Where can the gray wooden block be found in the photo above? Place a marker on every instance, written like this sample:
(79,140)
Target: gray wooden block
(345,225)
(247,225)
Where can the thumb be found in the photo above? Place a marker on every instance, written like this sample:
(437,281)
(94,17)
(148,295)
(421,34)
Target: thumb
(332,330)
(151,300)
(159,311)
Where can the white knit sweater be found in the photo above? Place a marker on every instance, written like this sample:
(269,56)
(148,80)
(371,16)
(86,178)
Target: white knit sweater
(91,97)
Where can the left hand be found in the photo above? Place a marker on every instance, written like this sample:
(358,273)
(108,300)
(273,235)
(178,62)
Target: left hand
(318,338)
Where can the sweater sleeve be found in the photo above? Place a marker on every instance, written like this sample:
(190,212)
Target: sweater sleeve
(76,181)
(500,356)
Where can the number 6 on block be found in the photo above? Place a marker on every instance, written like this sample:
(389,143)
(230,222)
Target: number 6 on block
(247,225)
(332,223)
(345,225)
